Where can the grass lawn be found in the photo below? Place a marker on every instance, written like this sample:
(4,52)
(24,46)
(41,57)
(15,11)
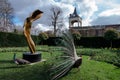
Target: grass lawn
(90,69)
(94,70)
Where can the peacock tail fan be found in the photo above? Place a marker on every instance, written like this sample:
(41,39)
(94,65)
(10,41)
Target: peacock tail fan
(64,62)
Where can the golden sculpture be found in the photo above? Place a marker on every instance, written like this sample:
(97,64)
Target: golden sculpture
(27,27)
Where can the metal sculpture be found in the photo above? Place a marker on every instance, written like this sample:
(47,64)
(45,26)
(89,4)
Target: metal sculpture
(68,59)
(20,61)
(27,27)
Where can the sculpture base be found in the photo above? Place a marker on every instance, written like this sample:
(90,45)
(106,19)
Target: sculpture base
(32,57)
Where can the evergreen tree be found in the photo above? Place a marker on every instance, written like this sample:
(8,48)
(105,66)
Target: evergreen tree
(110,35)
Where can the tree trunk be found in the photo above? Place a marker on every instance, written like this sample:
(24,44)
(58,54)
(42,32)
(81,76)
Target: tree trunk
(111,44)
(55,29)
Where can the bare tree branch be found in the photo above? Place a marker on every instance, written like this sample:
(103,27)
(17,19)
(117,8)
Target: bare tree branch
(56,13)
(6,15)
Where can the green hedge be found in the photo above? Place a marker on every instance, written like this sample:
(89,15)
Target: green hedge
(53,41)
(105,55)
(96,42)
(14,40)
(87,42)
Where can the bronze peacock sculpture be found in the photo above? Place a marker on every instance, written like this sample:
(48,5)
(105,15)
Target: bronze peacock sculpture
(68,59)
(20,61)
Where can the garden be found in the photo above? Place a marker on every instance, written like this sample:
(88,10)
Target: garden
(34,52)
(98,64)
(99,61)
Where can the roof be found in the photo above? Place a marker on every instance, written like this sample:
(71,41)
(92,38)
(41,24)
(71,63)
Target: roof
(74,14)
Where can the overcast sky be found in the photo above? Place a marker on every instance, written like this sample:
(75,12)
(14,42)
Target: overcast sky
(93,12)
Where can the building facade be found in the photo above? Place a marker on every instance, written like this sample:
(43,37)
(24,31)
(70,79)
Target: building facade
(89,31)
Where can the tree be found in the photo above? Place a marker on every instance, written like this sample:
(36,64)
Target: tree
(110,35)
(55,16)
(42,36)
(6,16)
(76,34)
(49,33)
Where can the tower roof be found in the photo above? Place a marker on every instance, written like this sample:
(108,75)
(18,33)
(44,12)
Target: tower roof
(75,12)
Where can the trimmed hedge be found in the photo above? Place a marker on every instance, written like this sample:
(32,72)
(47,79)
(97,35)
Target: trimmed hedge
(87,42)
(14,40)
(96,42)
(105,55)
(53,41)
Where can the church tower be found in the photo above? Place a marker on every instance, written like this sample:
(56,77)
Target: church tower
(73,18)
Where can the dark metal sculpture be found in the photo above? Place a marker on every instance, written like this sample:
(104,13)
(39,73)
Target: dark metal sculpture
(67,60)
(20,61)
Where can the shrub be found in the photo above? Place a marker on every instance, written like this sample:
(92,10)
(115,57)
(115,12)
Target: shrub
(42,37)
(76,35)
(111,35)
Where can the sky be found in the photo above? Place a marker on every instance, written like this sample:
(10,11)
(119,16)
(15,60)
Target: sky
(93,12)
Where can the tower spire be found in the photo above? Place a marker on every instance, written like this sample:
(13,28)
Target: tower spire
(75,12)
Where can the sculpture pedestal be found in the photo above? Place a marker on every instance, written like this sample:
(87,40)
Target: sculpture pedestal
(32,57)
